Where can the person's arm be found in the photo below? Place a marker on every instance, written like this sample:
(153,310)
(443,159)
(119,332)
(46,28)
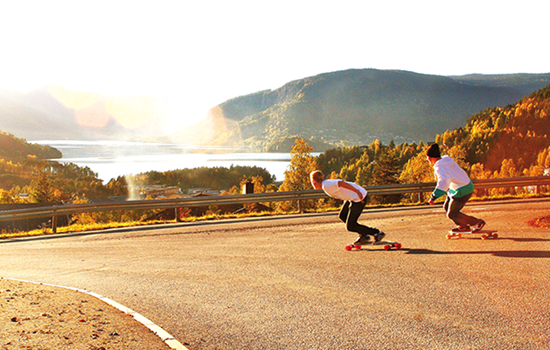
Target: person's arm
(443,183)
(347,186)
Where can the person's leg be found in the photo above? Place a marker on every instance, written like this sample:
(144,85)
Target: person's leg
(344,211)
(356,208)
(453,206)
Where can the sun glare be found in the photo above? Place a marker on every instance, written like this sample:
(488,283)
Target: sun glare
(180,115)
(93,116)
(135,111)
(95,110)
(74,99)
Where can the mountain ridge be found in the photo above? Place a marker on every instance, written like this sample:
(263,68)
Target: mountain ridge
(359,105)
(353,106)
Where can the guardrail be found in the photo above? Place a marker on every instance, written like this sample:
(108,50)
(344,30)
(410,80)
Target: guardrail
(69,209)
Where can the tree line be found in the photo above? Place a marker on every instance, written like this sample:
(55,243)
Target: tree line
(496,143)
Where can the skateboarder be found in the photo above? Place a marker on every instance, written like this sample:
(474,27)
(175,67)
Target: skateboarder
(453,181)
(353,196)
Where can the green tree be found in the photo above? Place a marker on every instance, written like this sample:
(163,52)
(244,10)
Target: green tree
(385,172)
(386,169)
(42,189)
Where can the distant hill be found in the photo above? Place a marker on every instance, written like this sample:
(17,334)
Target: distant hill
(35,113)
(17,157)
(17,150)
(358,106)
(352,107)
(519,82)
(49,113)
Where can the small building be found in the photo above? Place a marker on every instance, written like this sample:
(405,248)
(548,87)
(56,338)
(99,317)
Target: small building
(156,191)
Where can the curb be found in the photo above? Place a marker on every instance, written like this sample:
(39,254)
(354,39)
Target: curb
(161,333)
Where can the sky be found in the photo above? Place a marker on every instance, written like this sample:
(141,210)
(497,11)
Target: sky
(197,54)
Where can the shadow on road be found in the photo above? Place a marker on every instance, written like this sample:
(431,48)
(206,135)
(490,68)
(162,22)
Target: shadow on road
(502,254)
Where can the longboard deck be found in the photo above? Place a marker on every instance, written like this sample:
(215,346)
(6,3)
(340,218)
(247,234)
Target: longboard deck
(485,234)
(388,245)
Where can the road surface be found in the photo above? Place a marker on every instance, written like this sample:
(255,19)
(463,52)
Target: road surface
(288,283)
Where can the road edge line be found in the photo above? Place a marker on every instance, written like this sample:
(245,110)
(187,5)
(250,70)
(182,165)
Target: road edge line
(161,333)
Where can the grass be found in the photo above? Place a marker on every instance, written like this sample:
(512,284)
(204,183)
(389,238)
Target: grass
(102,226)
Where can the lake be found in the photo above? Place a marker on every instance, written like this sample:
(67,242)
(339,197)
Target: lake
(110,159)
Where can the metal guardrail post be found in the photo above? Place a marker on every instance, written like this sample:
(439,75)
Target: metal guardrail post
(54,223)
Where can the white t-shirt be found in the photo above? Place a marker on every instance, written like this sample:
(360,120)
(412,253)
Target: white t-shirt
(332,189)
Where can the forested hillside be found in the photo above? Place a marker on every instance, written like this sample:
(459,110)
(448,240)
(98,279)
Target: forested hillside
(356,107)
(18,150)
(516,132)
(495,143)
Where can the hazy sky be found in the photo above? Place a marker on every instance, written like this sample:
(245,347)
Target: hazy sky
(200,53)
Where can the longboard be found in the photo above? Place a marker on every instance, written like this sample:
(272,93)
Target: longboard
(387,245)
(484,234)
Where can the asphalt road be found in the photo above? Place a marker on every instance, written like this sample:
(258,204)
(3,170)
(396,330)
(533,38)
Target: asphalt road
(288,283)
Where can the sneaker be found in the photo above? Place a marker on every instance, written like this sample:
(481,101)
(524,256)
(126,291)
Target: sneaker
(362,240)
(478,226)
(378,237)
(459,229)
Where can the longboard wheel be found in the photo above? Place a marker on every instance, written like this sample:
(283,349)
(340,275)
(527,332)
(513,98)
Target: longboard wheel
(387,247)
(358,247)
(397,245)
(449,236)
(494,235)
(484,237)
(349,247)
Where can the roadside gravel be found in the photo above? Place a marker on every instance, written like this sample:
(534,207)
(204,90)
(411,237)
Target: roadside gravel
(34,316)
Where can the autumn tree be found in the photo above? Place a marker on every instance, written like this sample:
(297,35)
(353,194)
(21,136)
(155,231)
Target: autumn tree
(118,186)
(416,170)
(9,197)
(302,163)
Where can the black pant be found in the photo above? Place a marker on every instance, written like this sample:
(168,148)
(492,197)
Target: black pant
(453,206)
(349,214)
